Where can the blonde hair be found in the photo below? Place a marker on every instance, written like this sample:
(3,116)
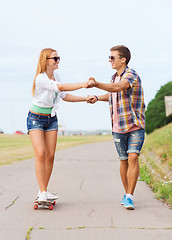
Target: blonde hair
(42,64)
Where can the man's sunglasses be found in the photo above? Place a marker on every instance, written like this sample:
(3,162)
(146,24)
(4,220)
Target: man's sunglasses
(55,58)
(111,58)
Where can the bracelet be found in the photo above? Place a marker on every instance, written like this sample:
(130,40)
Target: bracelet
(96,97)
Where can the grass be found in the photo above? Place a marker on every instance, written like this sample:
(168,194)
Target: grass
(160,142)
(156,163)
(162,190)
(15,148)
(28,233)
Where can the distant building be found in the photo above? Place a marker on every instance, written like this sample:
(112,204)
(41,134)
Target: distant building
(168,105)
(61,129)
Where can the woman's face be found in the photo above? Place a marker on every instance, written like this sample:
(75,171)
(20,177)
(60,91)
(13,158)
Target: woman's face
(51,61)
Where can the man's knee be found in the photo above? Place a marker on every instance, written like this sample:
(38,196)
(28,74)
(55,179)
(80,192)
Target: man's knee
(133,157)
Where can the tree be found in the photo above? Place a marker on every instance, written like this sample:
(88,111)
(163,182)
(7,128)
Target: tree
(155,113)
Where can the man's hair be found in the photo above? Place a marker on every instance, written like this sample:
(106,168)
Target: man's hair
(124,52)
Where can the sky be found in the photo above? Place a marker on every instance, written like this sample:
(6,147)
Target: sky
(82,32)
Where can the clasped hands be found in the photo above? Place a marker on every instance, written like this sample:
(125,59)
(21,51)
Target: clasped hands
(89,84)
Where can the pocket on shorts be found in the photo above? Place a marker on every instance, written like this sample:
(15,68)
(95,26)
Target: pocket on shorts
(32,122)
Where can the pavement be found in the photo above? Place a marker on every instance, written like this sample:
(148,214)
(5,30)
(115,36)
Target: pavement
(86,179)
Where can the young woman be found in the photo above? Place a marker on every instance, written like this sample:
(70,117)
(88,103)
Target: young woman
(42,122)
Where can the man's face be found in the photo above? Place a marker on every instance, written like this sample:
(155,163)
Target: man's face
(116,61)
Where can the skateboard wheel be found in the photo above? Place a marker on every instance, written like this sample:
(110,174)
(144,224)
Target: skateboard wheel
(35,206)
(51,207)
(54,203)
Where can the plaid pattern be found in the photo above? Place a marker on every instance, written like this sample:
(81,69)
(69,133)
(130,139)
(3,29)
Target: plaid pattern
(130,102)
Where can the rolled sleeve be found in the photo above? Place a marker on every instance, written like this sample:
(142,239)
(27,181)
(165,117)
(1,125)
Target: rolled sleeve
(48,84)
(62,95)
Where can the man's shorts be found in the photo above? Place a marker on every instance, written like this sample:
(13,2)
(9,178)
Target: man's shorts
(131,142)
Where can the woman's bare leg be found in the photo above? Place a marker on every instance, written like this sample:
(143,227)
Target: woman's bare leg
(50,147)
(38,141)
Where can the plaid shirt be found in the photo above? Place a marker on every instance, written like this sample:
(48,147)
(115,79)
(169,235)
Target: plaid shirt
(130,102)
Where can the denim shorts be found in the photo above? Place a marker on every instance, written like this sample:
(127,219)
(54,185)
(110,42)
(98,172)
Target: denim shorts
(131,142)
(40,122)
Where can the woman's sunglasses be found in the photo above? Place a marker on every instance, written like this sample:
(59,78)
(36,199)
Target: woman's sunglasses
(55,58)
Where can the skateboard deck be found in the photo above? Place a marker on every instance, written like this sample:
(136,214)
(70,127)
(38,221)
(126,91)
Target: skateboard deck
(44,204)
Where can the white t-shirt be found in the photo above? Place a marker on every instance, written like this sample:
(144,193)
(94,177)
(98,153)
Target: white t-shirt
(45,92)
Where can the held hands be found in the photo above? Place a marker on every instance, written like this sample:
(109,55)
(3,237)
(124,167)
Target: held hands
(92,99)
(90,83)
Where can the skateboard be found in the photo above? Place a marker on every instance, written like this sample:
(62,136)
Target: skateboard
(44,204)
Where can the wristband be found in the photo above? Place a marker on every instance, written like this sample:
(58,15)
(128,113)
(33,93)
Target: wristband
(96,97)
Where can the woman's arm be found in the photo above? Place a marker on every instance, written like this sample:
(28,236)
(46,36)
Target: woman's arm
(46,83)
(72,98)
(71,86)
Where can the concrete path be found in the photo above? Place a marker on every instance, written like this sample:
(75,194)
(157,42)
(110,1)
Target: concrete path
(87,180)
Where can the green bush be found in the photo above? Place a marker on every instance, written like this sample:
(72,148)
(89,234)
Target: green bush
(155,113)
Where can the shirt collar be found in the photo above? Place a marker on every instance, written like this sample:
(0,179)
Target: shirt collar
(122,72)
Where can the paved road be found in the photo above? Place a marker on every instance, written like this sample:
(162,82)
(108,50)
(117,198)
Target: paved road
(87,180)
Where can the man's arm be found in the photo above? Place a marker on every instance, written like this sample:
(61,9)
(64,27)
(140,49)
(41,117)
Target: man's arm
(113,87)
(94,99)
(103,97)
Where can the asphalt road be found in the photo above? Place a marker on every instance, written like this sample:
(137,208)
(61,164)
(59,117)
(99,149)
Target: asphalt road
(86,179)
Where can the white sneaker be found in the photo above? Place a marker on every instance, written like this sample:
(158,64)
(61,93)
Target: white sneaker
(42,197)
(38,195)
(51,196)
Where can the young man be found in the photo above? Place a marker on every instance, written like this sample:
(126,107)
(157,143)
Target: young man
(127,109)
